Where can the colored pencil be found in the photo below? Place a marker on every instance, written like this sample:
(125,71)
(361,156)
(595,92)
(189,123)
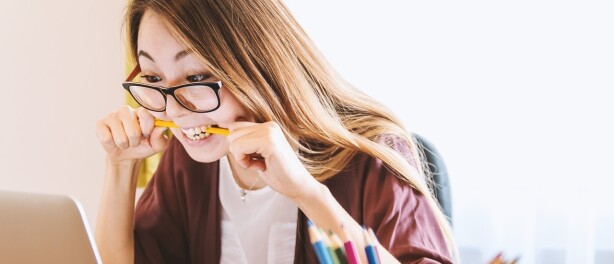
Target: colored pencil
(370,248)
(318,245)
(338,246)
(498,259)
(375,243)
(330,247)
(350,250)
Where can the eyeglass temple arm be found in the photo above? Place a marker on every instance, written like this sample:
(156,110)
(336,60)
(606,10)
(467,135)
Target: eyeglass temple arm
(137,70)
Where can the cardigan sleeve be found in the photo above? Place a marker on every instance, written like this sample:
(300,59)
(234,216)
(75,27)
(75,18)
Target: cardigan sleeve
(400,215)
(159,232)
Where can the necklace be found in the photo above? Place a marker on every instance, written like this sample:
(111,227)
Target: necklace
(242,192)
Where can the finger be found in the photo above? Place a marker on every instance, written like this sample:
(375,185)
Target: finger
(240,158)
(146,121)
(250,162)
(246,149)
(240,124)
(158,140)
(238,134)
(239,155)
(131,127)
(241,131)
(105,137)
(266,131)
(244,136)
(118,132)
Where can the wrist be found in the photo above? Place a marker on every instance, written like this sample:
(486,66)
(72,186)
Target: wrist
(123,171)
(128,164)
(310,192)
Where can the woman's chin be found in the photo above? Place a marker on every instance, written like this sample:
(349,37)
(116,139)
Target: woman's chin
(205,150)
(204,158)
(204,155)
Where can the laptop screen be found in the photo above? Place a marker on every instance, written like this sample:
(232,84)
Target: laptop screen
(44,228)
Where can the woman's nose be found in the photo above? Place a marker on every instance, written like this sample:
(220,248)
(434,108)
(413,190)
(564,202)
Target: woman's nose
(174,109)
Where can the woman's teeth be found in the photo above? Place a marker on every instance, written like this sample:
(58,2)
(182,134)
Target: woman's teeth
(196,133)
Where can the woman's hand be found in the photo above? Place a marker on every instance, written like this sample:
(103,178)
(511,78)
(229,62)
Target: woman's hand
(279,166)
(282,170)
(129,134)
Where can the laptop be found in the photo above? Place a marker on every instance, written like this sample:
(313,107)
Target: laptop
(44,228)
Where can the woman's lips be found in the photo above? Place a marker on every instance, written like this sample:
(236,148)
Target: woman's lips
(194,143)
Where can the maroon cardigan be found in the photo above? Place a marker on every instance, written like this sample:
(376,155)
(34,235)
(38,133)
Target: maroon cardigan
(177,219)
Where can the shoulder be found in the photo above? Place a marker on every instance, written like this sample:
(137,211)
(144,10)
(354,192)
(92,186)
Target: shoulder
(381,182)
(401,215)
(403,146)
(363,163)
(369,179)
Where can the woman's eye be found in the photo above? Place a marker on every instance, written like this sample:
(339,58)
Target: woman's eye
(151,78)
(197,78)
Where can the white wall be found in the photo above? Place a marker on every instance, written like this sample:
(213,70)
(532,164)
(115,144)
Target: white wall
(516,95)
(61,68)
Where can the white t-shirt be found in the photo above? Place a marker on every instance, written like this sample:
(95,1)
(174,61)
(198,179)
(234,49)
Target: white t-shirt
(260,230)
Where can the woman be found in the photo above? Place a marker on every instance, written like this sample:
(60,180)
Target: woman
(303,144)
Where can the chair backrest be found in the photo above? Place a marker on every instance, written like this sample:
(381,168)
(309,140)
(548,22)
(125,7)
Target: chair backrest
(441,182)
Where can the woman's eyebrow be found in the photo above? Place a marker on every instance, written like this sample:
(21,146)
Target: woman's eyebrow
(182,54)
(179,56)
(146,55)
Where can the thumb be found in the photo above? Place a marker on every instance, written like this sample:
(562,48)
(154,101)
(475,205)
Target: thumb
(158,139)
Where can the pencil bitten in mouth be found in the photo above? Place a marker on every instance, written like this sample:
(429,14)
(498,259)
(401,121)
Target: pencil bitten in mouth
(197,133)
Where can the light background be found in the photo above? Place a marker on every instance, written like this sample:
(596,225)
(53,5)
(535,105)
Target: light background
(61,66)
(516,95)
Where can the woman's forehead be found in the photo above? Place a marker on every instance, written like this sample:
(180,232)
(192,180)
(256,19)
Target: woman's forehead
(155,40)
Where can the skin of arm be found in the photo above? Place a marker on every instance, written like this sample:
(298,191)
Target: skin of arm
(128,136)
(114,228)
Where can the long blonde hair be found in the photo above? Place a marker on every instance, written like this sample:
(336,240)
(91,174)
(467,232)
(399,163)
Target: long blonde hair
(267,61)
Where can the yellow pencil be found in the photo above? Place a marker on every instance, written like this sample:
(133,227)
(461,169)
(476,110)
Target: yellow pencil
(211,130)
(163,123)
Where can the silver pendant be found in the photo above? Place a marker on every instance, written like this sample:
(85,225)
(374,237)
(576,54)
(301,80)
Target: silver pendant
(243,194)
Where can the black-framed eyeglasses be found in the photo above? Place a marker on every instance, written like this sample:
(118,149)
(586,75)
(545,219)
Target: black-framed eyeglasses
(199,97)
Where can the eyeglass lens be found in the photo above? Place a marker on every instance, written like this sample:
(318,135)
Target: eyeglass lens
(198,98)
